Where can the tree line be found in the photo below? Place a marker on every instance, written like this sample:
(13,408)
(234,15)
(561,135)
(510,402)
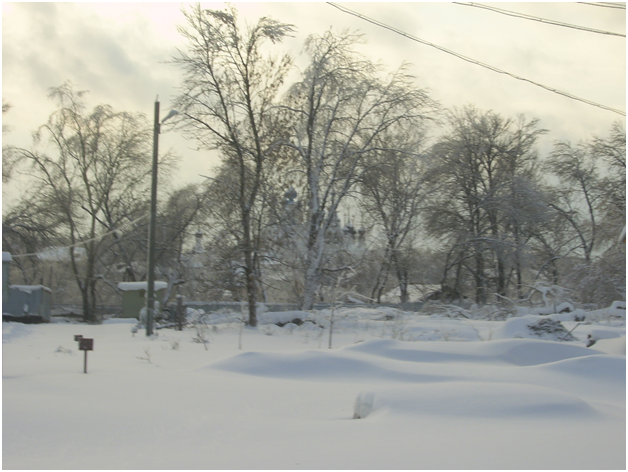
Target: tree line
(456,198)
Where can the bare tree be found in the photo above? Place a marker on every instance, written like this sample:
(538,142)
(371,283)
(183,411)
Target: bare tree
(612,151)
(226,103)
(589,201)
(26,229)
(9,155)
(180,214)
(578,194)
(393,192)
(339,109)
(92,168)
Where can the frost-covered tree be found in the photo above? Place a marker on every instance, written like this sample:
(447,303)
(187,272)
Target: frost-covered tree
(577,196)
(588,198)
(485,194)
(227,103)
(393,192)
(612,152)
(339,109)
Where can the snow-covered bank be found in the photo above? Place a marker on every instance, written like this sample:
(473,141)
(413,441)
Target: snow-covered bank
(285,401)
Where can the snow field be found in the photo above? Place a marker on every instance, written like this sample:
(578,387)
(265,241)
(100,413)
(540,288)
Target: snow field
(285,401)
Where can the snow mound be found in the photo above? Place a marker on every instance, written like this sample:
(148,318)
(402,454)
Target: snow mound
(473,400)
(12,330)
(537,352)
(369,361)
(416,352)
(595,368)
(615,346)
(604,333)
(520,352)
(315,365)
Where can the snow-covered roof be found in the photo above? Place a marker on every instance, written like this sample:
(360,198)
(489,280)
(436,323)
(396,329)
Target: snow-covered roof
(6,257)
(127,286)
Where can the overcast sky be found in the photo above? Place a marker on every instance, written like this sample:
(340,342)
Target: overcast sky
(118,51)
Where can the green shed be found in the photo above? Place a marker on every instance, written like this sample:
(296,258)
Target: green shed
(134,297)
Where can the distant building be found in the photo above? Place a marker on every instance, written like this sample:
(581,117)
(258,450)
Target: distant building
(28,303)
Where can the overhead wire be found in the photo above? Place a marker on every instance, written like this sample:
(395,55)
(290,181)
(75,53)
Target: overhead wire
(541,20)
(80,243)
(618,6)
(473,61)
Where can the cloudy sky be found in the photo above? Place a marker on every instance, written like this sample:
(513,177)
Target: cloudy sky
(119,52)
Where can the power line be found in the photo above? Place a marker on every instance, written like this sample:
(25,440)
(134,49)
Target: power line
(87,240)
(618,6)
(541,20)
(473,61)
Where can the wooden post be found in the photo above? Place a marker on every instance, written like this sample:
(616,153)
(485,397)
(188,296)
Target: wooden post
(85,344)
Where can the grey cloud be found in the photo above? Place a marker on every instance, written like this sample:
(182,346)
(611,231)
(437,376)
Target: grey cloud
(122,62)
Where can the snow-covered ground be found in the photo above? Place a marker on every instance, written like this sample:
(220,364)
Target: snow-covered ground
(396,391)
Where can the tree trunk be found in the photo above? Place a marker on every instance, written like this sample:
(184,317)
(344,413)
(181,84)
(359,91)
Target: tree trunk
(382,278)
(89,305)
(501,277)
(92,289)
(87,315)
(402,276)
(480,286)
(252,298)
(518,271)
(313,270)
(249,270)
(403,290)
(312,280)
(457,289)
(380,283)
(315,248)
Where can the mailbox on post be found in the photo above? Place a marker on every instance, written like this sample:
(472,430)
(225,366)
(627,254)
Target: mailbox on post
(85,344)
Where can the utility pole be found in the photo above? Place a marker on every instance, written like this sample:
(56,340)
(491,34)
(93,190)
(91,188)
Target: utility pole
(152,227)
(150,290)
